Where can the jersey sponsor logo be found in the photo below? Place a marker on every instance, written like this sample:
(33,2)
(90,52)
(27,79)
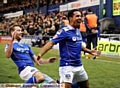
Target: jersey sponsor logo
(22,49)
(76,38)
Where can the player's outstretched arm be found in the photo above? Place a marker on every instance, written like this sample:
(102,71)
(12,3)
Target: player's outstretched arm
(50,60)
(44,61)
(93,52)
(45,49)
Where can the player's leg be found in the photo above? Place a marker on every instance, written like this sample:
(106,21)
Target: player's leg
(84,84)
(32,75)
(65,85)
(39,77)
(66,76)
(75,85)
(81,77)
(49,79)
(31,80)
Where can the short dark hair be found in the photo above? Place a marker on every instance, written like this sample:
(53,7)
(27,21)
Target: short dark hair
(89,10)
(12,28)
(71,13)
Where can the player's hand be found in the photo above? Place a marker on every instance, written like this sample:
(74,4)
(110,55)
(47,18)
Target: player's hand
(37,61)
(95,52)
(14,35)
(52,59)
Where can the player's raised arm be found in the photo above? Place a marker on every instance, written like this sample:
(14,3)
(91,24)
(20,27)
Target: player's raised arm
(9,47)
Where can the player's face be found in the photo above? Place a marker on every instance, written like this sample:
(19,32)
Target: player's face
(18,33)
(76,19)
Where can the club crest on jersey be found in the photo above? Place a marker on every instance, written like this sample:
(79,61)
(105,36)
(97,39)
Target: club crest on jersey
(32,70)
(68,76)
(59,32)
(74,38)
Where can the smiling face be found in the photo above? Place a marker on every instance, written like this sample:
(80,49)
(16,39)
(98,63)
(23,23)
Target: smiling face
(75,20)
(17,33)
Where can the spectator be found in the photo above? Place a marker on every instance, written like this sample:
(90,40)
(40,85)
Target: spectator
(65,21)
(31,29)
(83,31)
(92,24)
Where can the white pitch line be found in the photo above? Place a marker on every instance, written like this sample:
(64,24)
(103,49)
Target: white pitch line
(108,61)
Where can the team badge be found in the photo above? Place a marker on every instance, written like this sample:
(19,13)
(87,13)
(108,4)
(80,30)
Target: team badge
(68,76)
(74,38)
(32,70)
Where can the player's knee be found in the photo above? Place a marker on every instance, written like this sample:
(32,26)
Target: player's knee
(39,77)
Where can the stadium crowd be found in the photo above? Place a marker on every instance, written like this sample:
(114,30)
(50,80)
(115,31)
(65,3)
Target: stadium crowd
(34,24)
(17,5)
(39,24)
(31,21)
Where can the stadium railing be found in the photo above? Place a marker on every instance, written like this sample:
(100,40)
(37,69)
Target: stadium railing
(111,36)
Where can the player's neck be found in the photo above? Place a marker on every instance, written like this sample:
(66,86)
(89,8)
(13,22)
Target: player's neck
(72,25)
(15,40)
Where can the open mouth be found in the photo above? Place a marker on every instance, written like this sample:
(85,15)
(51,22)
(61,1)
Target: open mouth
(20,35)
(79,21)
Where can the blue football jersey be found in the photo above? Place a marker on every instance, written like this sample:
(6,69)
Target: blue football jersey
(70,46)
(22,55)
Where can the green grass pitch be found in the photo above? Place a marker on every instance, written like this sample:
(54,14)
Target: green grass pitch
(103,72)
